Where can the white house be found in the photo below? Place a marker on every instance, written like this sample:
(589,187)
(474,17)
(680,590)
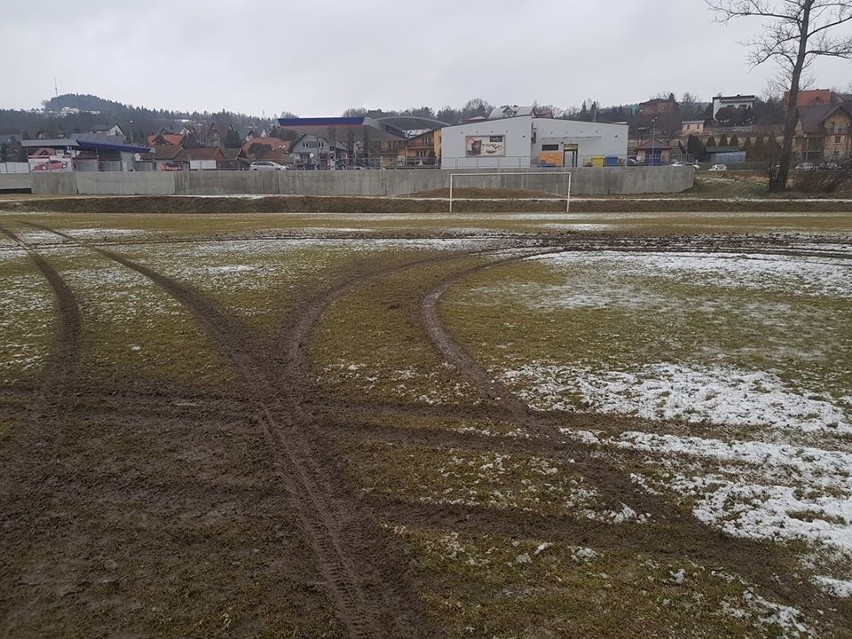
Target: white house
(736,101)
(525,141)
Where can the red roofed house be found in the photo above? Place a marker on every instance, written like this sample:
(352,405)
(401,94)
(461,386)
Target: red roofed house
(164,157)
(158,139)
(811,97)
(267,148)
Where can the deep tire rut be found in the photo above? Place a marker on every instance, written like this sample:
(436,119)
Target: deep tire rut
(37,446)
(367,605)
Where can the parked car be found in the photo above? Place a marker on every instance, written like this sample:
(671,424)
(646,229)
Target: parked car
(679,163)
(171,166)
(266,165)
(805,166)
(829,166)
(718,167)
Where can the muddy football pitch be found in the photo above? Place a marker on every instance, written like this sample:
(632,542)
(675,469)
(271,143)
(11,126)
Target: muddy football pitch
(280,424)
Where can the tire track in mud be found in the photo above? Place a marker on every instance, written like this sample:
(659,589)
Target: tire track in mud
(65,355)
(759,562)
(367,607)
(285,419)
(282,435)
(29,460)
(686,536)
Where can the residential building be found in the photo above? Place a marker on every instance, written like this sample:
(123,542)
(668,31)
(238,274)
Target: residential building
(234,159)
(657,107)
(204,158)
(423,148)
(810,98)
(823,133)
(266,148)
(735,101)
(317,151)
(164,157)
(691,127)
(106,129)
(166,137)
(654,153)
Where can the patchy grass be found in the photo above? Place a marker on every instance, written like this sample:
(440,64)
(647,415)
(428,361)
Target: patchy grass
(729,185)
(494,586)
(459,424)
(456,476)
(26,319)
(131,328)
(372,343)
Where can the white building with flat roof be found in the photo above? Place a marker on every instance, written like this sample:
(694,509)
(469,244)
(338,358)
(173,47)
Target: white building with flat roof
(525,141)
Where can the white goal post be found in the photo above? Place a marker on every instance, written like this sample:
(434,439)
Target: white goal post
(527,173)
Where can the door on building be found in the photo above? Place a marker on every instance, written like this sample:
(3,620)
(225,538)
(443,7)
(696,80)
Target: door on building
(569,155)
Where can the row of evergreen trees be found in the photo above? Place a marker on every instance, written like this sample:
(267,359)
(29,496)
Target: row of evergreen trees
(761,148)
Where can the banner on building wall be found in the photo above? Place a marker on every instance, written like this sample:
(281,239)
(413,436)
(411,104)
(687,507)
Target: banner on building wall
(550,158)
(51,164)
(476,145)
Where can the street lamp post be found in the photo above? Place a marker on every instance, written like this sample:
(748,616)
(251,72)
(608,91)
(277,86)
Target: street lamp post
(653,139)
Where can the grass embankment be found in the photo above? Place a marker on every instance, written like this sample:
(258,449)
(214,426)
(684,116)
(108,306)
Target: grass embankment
(311,204)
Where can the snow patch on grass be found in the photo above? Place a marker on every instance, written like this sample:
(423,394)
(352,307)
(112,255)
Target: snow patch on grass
(810,276)
(836,587)
(676,392)
(786,621)
(749,489)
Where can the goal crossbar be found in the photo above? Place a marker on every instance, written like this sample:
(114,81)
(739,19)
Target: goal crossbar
(491,173)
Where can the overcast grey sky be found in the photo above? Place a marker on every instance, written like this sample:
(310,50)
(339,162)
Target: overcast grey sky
(316,58)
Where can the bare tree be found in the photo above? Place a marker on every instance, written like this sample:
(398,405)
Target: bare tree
(795,33)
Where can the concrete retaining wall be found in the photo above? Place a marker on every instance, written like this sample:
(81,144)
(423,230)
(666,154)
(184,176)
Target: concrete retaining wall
(585,181)
(125,183)
(55,183)
(15,181)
